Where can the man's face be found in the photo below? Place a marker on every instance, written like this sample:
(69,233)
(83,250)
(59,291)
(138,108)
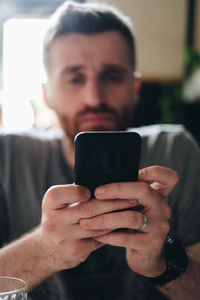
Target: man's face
(90,82)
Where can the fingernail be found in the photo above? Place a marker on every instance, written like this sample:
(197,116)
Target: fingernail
(100,190)
(85,221)
(141,174)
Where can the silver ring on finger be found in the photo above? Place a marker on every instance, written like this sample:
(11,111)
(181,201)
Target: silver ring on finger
(145,223)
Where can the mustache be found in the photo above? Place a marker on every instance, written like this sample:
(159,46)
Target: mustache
(102,108)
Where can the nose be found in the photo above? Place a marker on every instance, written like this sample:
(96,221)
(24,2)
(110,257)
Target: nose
(94,93)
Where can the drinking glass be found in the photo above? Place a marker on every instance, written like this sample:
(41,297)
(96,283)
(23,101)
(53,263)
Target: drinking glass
(12,288)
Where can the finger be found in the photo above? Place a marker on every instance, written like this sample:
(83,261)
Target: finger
(163,179)
(58,222)
(91,233)
(126,219)
(71,231)
(141,191)
(95,207)
(60,196)
(124,239)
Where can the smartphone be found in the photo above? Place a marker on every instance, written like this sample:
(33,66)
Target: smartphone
(103,157)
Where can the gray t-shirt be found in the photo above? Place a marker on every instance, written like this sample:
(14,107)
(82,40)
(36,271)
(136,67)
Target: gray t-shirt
(32,162)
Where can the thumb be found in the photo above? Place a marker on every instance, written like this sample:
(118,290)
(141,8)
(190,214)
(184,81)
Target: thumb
(161,179)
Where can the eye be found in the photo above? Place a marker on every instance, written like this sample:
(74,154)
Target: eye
(115,78)
(76,80)
(111,77)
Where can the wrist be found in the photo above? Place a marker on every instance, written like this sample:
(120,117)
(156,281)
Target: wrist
(24,258)
(39,251)
(176,262)
(160,268)
(45,252)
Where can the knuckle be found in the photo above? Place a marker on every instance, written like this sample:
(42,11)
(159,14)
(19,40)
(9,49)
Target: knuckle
(134,219)
(146,189)
(130,219)
(101,220)
(118,189)
(125,239)
(50,195)
(118,204)
(153,171)
(114,190)
(168,212)
(139,219)
(80,193)
(87,209)
(164,227)
(51,191)
(175,177)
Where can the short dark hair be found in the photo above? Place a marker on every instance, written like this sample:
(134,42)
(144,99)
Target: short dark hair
(87,18)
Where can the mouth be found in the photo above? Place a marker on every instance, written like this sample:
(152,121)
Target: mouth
(97,118)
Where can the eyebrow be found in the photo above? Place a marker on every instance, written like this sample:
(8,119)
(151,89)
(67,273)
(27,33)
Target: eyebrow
(71,69)
(114,68)
(106,68)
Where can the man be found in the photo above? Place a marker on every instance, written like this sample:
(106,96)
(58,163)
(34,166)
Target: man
(75,251)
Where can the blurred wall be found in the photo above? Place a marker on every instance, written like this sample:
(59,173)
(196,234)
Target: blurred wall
(160,35)
(197,27)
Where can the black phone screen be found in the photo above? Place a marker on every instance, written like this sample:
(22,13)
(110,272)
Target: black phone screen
(106,157)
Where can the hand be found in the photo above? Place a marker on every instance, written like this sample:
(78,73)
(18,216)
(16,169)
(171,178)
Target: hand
(64,242)
(144,249)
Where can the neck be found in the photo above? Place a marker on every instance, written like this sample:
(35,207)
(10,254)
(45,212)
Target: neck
(68,150)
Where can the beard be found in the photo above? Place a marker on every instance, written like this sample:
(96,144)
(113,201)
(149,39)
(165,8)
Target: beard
(118,121)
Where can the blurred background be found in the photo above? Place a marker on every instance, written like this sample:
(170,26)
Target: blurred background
(168,59)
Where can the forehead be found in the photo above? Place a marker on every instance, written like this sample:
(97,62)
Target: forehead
(89,51)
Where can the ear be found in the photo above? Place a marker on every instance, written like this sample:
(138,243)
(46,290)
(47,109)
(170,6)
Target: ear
(47,95)
(137,84)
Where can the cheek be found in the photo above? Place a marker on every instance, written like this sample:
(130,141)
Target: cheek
(67,102)
(62,102)
(122,98)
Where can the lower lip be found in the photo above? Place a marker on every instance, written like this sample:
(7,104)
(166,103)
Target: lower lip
(97,119)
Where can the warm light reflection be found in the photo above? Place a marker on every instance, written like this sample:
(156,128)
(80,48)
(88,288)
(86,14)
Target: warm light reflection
(22,70)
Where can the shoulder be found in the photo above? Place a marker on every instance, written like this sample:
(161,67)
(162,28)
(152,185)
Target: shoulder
(27,143)
(161,134)
(157,130)
(29,138)
(167,144)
